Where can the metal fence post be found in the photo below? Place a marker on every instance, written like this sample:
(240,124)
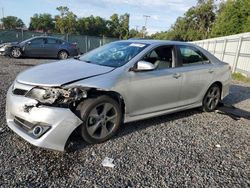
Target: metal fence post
(208,45)
(100,42)
(224,49)
(236,58)
(67,37)
(22,33)
(89,44)
(86,44)
(215,43)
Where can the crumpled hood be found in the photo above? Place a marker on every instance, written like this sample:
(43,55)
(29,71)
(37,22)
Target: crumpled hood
(60,73)
(9,44)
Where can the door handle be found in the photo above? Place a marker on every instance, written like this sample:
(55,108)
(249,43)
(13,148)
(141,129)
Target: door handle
(210,71)
(177,75)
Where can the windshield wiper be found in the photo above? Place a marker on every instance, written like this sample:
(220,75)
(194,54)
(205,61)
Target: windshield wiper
(86,61)
(77,57)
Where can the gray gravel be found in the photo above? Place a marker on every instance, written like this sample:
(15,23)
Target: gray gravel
(177,150)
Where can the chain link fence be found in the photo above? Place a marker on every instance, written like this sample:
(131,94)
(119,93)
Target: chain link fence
(84,42)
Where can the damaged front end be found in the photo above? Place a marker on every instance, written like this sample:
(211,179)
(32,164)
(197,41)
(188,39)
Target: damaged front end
(38,117)
(57,96)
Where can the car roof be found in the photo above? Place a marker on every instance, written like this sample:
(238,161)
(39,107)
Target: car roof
(158,42)
(46,37)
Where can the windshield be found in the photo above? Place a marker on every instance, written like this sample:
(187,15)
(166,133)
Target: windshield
(114,54)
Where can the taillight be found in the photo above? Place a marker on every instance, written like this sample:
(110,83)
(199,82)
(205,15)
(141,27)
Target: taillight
(74,45)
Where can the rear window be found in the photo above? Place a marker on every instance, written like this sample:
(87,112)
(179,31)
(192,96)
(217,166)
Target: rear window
(51,41)
(37,41)
(191,55)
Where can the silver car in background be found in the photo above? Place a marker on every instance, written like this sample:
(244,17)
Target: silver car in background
(117,83)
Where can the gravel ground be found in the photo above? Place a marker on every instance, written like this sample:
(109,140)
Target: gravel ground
(177,150)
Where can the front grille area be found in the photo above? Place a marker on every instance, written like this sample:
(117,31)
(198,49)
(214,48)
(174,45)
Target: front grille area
(23,123)
(19,91)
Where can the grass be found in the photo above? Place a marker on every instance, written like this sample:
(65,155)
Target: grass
(240,77)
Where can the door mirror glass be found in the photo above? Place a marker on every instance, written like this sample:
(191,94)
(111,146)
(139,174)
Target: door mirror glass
(144,66)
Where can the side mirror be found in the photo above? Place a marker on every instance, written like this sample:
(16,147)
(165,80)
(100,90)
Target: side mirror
(144,66)
(28,43)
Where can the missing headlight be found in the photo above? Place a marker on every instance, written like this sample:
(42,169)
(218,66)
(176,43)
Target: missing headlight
(57,95)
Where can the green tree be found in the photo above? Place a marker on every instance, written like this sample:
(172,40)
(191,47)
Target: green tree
(124,26)
(66,22)
(247,25)
(114,25)
(12,22)
(196,23)
(118,26)
(233,17)
(42,22)
(95,26)
(134,34)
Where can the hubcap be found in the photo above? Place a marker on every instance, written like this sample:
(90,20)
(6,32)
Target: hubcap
(102,120)
(63,55)
(16,52)
(212,98)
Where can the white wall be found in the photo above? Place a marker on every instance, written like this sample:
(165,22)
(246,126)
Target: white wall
(233,49)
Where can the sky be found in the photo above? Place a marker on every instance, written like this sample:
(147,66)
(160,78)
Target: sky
(163,13)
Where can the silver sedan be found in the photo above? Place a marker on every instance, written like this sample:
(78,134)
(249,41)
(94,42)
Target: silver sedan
(117,83)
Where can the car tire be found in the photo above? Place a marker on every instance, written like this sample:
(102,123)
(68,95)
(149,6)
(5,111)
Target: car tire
(101,117)
(212,98)
(63,54)
(16,52)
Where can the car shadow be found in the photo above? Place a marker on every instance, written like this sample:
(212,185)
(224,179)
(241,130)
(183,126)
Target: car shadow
(237,94)
(76,142)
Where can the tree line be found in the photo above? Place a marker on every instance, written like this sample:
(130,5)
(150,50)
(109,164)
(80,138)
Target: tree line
(66,22)
(209,19)
(206,19)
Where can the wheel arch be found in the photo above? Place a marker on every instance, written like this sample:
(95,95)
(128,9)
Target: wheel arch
(113,94)
(61,50)
(219,84)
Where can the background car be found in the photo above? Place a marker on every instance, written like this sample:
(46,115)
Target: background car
(47,47)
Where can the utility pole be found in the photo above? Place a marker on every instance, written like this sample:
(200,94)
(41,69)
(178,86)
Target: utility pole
(2,17)
(136,27)
(145,25)
(2,12)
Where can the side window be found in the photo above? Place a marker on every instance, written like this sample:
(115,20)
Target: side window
(161,57)
(59,41)
(192,56)
(37,41)
(51,41)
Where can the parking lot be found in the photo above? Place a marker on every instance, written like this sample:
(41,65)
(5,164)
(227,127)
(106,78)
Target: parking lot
(185,149)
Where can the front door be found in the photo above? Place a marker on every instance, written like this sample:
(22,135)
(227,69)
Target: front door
(35,48)
(156,90)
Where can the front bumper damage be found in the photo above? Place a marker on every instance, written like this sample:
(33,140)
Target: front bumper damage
(5,51)
(56,123)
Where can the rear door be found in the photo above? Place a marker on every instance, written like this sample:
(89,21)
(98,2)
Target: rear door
(51,47)
(197,74)
(35,48)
